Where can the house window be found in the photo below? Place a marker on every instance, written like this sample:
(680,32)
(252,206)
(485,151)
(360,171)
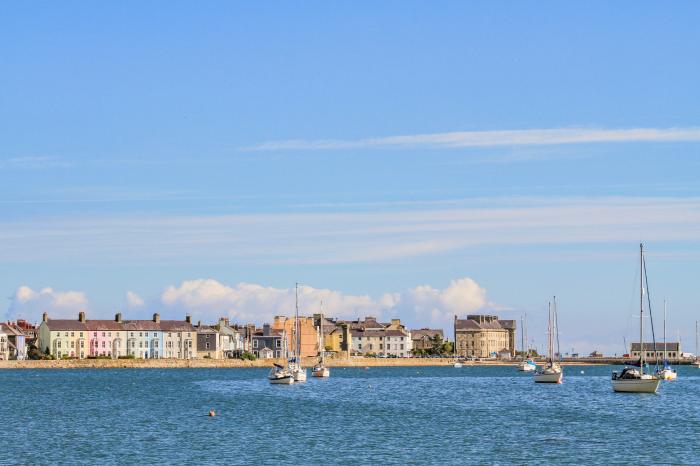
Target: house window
(95,334)
(155,334)
(58,345)
(103,334)
(359,346)
(72,344)
(401,346)
(278,344)
(140,334)
(371,346)
(155,343)
(72,334)
(207,346)
(255,343)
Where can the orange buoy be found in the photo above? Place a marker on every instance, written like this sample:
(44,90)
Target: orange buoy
(212,413)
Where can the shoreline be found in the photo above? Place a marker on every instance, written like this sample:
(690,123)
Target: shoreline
(259,363)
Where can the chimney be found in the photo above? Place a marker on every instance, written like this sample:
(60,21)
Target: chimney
(156,317)
(45,317)
(81,316)
(118,317)
(188,319)
(199,324)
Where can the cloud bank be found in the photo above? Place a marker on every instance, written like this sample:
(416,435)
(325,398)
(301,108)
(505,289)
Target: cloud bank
(458,139)
(209,299)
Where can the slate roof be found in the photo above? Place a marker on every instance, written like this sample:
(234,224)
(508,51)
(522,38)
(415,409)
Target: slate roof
(101,325)
(61,325)
(422,333)
(469,324)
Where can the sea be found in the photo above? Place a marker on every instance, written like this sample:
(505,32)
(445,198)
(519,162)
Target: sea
(377,415)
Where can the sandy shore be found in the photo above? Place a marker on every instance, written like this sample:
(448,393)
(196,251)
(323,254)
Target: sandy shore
(237,363)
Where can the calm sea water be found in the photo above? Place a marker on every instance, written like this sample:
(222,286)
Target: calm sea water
(484,415)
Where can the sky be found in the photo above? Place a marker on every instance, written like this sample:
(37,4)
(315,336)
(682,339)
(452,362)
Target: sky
(398,159)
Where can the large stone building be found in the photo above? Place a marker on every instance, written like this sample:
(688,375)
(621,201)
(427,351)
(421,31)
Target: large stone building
(483,336)
(672,351)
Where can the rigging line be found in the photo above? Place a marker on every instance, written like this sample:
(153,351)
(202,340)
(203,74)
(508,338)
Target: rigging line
(556,326)
(651,316)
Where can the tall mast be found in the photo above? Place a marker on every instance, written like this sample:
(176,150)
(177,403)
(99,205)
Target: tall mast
(664,330)
(556,326)
(696,340)
(527,342)
(522,336)
(549,330)
(297,349)
(321,348)
(641,308)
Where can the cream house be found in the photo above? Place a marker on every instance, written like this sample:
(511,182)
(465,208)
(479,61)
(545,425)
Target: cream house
(64,337)
(483,336)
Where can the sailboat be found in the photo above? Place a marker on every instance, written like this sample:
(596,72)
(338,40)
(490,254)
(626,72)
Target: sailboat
(666,373)
(295,362)
(320,369)
(631,379)
(551,372)
(279,374)
(527,364)
(696,364)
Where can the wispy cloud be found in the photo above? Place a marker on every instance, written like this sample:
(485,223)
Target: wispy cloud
(373,235)
(34,162)
(459,139)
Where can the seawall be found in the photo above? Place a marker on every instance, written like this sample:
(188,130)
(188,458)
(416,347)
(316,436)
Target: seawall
(238,363)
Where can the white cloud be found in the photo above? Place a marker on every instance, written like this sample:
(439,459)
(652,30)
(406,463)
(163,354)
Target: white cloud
(208,299)
(133,300)
(29,304)
(549,136)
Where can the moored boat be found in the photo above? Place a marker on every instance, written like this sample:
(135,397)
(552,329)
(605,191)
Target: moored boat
(552,371)
(320,369)
(631,379)
(280,375)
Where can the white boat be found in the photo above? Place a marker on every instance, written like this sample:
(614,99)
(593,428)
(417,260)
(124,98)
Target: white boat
(631,379)
(320,369)
(294,364)
(458,365)
(552,371)
(280,375)
(667,372)
(634,380)
(527,364)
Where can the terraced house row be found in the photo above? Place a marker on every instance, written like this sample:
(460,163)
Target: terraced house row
(145,339)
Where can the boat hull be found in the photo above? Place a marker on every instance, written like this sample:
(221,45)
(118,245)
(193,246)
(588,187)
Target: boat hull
(548,378)
(526,367)
(650,385)
(286,380)
(321,372)
(667,374)
(300,375)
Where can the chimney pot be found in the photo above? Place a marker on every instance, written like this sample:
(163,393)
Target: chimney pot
(156,317)
(45,317)
(81,316)
(118,317)
(188,319)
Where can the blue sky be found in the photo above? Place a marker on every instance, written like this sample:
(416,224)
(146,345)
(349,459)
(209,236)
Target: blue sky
(145,148)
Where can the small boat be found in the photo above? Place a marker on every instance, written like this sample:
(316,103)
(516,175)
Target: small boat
(631,379)
(527,365)
(696,363)
(666,373)
(320,369)
(458,364)
(280,375)
(294,364)
(551,372)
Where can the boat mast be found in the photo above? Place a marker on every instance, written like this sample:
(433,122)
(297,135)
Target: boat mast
(522,336)
(664,331)
(556,326)
(321,348)
(641,308)
(297,348)
(549,330)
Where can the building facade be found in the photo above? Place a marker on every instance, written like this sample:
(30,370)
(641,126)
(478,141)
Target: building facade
(671,351)
(308,333)
(423,338)
(483,336)
(373,338)
(268,342)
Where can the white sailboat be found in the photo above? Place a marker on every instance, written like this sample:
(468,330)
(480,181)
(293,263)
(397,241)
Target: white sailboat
(281,375)
(696,364)
(552,371)
(632,379)
(666,373)
(295,363)
(527,364)
(320,369)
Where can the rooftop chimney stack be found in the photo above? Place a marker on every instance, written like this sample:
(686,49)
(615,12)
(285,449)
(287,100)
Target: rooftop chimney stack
(118,317)
(188,319)
(45,317)
(81,316)
(156,318)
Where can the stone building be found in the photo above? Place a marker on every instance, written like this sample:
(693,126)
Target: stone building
(483,336)
(423,338)
(672,351)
